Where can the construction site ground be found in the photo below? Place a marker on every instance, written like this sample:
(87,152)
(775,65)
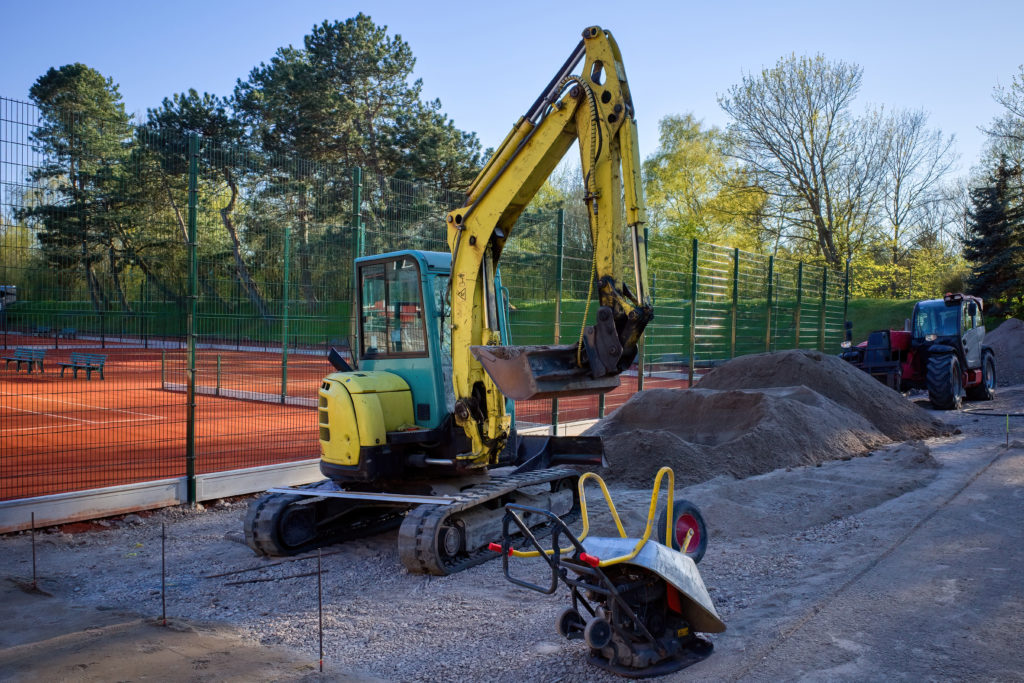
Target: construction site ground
(904,564)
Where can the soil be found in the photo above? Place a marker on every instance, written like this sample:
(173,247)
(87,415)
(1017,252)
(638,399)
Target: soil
(899,564)
(833,378)
(1007,341)
(756,414)
(703,433)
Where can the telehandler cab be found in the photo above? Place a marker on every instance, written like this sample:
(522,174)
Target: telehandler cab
(943,351)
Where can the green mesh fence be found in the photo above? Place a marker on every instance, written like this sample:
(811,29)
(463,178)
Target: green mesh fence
(172,261)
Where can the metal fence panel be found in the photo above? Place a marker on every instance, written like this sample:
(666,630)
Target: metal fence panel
(212,279)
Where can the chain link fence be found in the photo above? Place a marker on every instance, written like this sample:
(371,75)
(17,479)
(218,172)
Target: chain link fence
(177,297)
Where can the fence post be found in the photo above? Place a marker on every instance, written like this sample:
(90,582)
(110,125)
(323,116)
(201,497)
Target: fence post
(559,256)
(768,305)
(284,318)
(359,247)
(190,319)
(846,292)
(824,299)
(799,303)
(735,299)
(693,311)
(643,338)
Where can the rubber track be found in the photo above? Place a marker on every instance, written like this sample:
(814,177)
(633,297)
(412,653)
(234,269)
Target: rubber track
(416,546)
(261,525)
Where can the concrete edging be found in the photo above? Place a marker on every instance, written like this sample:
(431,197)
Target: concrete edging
(61,508)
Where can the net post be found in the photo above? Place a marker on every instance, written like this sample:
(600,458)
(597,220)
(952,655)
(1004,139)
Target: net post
(559,258)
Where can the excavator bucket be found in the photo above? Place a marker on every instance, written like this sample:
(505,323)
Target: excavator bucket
(527,372)
(540,451)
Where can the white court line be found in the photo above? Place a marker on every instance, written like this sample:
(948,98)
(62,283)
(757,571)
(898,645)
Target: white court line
(29,429)
(86,405)
(60,417)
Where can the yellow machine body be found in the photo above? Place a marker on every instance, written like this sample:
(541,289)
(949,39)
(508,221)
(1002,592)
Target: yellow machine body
(357,410)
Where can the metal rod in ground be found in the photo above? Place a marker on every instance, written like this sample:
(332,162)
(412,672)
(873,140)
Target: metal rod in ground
(34,585)
(163,573)
(320,605)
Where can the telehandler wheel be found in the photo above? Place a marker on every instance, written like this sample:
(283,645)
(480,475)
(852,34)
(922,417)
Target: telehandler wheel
(986,391)
(945,384)
(687,517)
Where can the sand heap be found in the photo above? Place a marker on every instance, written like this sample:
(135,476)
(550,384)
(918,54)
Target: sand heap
(754,415)
(854,389)
(1007,341)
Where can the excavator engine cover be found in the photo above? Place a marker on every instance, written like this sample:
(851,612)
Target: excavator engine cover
(357,410)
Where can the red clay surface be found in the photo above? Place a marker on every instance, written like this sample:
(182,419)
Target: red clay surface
(60,434)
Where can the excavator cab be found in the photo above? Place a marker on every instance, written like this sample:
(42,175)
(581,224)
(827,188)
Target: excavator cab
(400,300)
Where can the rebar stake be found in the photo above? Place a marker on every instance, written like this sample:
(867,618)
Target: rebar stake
(34,585)
(163,572)
(320,605)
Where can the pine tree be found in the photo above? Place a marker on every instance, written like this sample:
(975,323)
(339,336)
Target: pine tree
(994,244)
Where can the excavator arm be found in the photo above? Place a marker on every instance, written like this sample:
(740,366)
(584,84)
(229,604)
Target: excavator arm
(595,111)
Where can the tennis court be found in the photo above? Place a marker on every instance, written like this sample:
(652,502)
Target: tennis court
(60,434)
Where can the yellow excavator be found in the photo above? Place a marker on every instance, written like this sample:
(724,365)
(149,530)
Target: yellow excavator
(420,433)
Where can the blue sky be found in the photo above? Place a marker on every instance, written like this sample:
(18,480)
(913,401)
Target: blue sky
(487,61)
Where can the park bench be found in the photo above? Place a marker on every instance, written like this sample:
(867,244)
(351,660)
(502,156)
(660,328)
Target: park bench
(27,356)
(42,330)
(68,333)
(84,361)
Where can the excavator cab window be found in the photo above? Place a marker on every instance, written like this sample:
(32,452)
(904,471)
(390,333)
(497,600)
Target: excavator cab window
(391,310)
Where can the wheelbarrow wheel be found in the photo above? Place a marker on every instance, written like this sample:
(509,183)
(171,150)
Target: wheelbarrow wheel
(686,517)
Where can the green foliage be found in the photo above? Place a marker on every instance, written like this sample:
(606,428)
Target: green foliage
(347,97)
(868,315)
(83,134)
(994,244)
(694,190)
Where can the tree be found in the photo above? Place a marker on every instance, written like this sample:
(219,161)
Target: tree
(794,132)
(1006,133)
(994,244)
(915,162)
(347,97)
(84,135)
(187,114)
(693,189)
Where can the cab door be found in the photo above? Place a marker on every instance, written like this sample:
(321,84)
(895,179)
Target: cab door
(972,332)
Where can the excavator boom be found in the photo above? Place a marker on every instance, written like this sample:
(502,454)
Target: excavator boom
(595,111)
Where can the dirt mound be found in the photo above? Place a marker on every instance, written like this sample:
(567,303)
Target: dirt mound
(1007,341)
(702,433)
(855,390)
(800,503)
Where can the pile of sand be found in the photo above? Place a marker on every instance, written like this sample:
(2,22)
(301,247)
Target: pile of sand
(1007,341)
(756,414)
(702,433)
(854,389)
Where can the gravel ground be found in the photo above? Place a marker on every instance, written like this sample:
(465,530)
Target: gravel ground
(781,544)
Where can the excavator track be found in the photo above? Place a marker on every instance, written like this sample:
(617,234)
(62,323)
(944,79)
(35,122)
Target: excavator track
(422,537)
(280,524)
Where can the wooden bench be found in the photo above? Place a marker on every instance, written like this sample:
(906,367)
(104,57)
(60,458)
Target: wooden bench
(27,356)
(84,361)
(68,333)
